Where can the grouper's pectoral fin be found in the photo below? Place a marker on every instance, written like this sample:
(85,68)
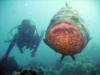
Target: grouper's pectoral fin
(73,57)
(46,42)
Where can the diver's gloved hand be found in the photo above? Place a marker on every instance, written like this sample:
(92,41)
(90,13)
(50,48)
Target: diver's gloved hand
(33,53)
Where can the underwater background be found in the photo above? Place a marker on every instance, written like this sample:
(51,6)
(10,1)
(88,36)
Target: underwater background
(40,12)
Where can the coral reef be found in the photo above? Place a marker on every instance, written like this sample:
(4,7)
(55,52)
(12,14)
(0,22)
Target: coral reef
(70,68)
(8,66)
(29,72)
(79,68)
(39,68)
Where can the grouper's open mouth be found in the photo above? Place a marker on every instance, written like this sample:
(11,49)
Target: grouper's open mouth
(62,27)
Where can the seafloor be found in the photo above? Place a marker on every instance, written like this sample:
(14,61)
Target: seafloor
(10,67)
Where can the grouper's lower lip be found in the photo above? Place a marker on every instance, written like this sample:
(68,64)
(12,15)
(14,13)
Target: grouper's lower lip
(62,26)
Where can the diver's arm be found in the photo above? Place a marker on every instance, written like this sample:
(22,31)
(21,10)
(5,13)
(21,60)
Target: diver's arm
(11,45)
(37,41)
(5,56)
(34,30)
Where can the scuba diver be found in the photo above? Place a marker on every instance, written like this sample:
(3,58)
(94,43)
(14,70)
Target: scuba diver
(26,36)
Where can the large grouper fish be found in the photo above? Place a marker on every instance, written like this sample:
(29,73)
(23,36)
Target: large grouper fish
(66,33)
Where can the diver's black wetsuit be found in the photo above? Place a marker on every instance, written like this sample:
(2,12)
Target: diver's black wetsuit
(26,36)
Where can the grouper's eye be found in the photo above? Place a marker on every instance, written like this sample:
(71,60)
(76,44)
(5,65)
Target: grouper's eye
(74,18)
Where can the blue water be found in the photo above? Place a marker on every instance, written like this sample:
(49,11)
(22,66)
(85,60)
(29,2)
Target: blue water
(40,12)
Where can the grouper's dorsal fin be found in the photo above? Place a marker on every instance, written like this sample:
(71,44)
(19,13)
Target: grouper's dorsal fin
(66,4)
(62,57)
(73,57)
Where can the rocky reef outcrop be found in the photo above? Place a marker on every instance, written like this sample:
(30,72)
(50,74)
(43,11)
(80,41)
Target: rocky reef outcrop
(10,67)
